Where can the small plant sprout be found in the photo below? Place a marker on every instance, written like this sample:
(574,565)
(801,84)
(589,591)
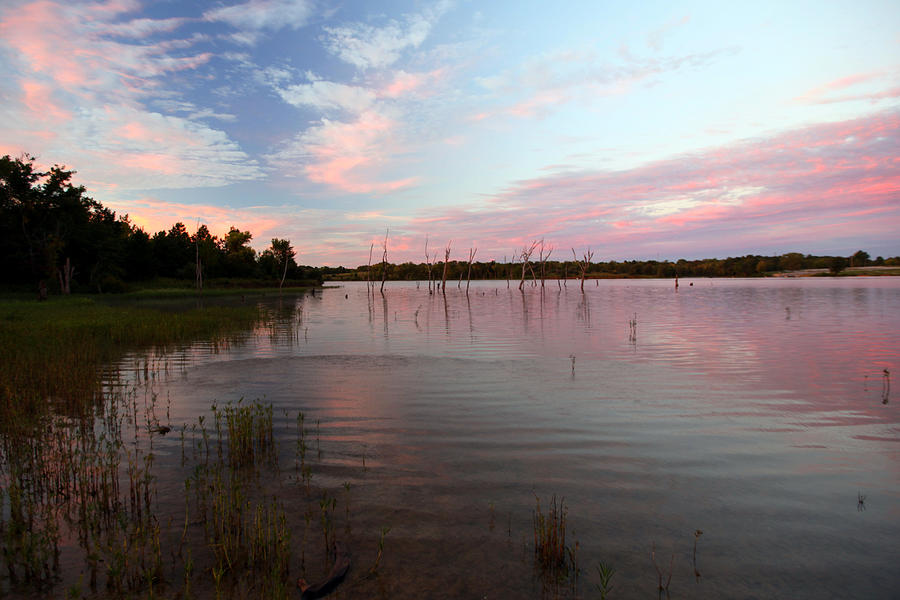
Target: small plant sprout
(663,586)
(380,554)
(606,573)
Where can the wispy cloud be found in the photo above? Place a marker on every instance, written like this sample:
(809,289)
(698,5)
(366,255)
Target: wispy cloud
(363,126)
(656,37)
(328,96)
(544,84)
(78,89)
(257,15)
(831,92)
(367,46)
(346,156)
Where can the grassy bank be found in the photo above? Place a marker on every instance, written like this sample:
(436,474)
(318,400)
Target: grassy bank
(54,349)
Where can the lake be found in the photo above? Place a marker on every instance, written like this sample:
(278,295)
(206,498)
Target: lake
(758,412)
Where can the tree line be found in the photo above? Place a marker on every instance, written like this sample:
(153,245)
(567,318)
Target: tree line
(54,237)
(742,266)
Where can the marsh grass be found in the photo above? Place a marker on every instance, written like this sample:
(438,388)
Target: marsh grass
(250,434)
(555,561)
(54,350)
(550,550)
(78,472)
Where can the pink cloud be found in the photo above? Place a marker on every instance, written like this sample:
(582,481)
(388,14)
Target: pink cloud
(405,83)
(346,156)
(160,163)
(83,96)
(156,215)
(811,189)
(825,94)
(38,99)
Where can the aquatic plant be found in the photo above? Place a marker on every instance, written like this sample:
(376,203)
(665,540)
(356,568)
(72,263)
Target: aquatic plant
(250,433)
(606,573)
(55,349)
(550,535)
(380,554)
(661,586)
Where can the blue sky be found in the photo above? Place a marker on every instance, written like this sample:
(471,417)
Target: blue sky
(653,130)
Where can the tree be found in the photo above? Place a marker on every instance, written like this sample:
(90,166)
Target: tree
(583,264)
(792,261)
(174,252)
(525,255)
(49,227)
(837,264)
(207,254)
(859,259)
(446,262)
(284,255)
(384,263)
(240,258)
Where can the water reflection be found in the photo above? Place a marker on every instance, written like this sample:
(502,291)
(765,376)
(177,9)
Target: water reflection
(740,413)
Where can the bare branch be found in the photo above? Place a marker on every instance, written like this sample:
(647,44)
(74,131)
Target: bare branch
(525,255)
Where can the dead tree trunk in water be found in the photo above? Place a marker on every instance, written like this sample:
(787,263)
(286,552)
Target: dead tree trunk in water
(472,252)
(543,259)
(446,260)
(428,263)
(583,264)
(526,257)
(369,282)
(384,260)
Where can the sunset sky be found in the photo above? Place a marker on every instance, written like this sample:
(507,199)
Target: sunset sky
(653,131)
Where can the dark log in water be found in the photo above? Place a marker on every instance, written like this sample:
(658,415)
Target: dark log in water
(335,576)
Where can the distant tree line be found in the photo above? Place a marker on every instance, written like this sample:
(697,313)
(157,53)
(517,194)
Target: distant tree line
(54,237)
(743,266)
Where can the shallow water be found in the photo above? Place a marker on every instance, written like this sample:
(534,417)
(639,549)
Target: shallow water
(757,411)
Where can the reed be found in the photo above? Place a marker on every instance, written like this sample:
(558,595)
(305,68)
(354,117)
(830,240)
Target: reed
(250,434)
(80,465)
(663,579)
(380,553)
(550,535)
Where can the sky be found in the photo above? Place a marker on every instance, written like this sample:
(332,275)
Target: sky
(646,130)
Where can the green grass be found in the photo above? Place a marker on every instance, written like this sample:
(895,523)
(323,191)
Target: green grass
(54,349)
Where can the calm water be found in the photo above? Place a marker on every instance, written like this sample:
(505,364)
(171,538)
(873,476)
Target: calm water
(756,411)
